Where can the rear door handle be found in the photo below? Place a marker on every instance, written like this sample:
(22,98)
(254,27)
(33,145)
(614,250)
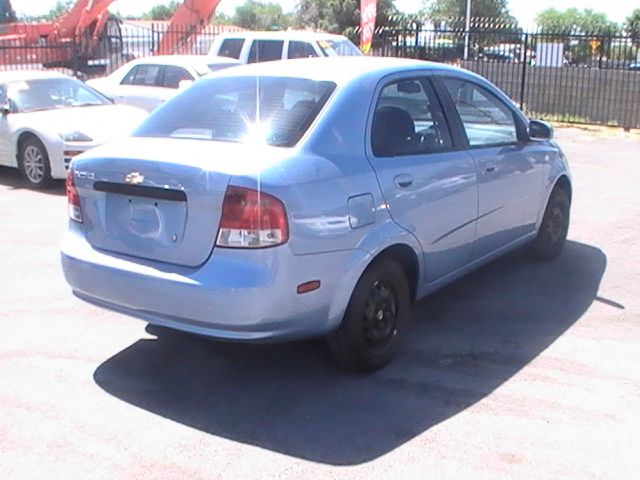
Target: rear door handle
(403,180)
(489,167)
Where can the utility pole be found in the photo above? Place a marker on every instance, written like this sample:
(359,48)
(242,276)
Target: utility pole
(467,26)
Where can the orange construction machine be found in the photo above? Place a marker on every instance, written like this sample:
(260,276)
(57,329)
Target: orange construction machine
(83,34)
(86,36)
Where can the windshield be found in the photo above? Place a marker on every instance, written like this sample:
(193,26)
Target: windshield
(267,110)
(51,93)
(343,48)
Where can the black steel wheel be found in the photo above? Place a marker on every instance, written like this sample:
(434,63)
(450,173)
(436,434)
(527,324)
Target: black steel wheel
(553,229)
(370,333)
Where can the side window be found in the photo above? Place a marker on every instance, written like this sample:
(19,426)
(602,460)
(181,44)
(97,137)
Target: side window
(299,49)
(174,75)
(231,47)
(143,75)
(265,50)
(486,119)
(408,121)
(128,78)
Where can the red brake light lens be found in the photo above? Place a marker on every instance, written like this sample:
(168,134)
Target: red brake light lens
(73,199)
(252,219)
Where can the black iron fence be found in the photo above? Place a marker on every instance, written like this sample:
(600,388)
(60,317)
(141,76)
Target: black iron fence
(571,77)
(574,77)
(120,42)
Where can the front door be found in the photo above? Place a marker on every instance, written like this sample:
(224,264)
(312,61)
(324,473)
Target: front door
(510,174)
(429,184)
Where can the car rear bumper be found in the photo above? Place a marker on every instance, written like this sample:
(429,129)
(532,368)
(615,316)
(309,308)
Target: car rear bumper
(236,294)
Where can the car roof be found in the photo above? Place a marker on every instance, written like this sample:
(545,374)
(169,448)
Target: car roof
(283,34)
(336,69)
(24,75)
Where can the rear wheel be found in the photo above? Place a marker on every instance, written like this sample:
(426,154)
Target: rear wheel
(370,333)
(552,233)
(34,162)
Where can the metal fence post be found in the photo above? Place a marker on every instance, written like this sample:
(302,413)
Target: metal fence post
(75,62)
(153,38)
(523,80)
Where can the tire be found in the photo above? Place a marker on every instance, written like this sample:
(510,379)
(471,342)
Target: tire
(375,319)
(552,233)
(33,162)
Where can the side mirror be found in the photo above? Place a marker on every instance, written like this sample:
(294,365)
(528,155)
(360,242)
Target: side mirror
(539,130)
(182,84)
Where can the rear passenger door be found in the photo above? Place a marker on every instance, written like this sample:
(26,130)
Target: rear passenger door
(510,176)
(428,182)
(265,51)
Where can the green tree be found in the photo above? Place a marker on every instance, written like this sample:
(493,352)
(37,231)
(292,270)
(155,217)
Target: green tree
(576,21)
(60,8)
(220,18)
(484,13)
(161,12)
(632,27)
(338,16)
(257,15)
(7,15)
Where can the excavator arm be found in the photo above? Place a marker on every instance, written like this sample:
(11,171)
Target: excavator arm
(81,26)
(187,22)
(76,22)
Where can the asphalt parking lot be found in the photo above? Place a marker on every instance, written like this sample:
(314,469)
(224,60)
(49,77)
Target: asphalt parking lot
(521,370)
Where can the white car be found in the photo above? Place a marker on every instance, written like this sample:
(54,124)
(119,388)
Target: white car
(47,118)
(253,47)
(147,82)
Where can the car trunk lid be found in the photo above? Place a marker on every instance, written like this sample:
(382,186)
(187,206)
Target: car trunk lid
(157,199)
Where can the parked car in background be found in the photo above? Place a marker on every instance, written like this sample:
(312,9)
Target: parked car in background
(253,47)
(48,118)
(634,67)
(312,197)
(147,82)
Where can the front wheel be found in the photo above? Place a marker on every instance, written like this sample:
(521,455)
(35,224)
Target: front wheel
(552,233)
(33,161)
(371,331)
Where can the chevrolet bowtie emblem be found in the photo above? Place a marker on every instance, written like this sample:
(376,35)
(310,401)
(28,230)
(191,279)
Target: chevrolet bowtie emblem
(134,178)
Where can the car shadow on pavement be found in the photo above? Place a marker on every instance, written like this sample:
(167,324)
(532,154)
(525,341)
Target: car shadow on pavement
(465,341)
(12,178)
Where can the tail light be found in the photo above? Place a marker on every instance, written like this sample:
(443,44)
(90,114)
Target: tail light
(252,219)
(73,199)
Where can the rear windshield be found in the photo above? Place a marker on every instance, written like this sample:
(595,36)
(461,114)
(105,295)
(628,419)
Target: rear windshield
(272,110)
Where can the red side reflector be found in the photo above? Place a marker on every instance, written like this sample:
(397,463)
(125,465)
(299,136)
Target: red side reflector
(308,286)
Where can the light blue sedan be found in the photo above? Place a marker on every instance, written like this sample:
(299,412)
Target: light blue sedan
(315,197)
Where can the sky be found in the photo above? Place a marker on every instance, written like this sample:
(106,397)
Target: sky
(524,10)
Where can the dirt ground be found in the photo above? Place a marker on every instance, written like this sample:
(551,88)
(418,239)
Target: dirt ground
(521,370)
